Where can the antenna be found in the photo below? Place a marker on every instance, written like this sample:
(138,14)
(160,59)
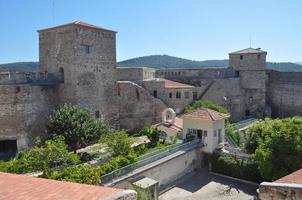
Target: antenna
(53,12)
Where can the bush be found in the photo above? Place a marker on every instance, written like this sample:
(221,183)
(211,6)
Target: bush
(77,126)
(52,154)
(205,104)
(276,145)
(78,173)
(152,134)
(116,163)
(234,135)
(119,142)
(236,167)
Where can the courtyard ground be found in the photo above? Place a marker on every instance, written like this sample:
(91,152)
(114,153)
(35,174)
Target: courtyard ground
(203,185)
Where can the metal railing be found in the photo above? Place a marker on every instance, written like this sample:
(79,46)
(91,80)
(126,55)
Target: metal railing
(147,159)
(244,123)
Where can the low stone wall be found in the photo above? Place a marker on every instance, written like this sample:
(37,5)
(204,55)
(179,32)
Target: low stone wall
(168,171)
(137,107)
(268,191)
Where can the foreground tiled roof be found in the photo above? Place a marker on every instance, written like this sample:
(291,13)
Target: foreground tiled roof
(248,51)
(78,23)
(295,177)
(20,187)
(174,84)
(206,114)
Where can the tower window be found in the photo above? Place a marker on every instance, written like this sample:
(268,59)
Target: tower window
(187,95)
(247,113)
(155,93)
(237,73)
(87,48)
(137,94)
(97,114)
(241,57)
(258,56)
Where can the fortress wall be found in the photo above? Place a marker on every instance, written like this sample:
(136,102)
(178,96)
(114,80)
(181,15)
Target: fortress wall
(135,73)
(137,107)
(187,73)
(284,93)
(231,89)
(24,110)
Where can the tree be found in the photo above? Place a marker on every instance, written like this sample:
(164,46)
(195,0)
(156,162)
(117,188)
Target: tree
(78,173)
(205,104)
(119,142)
(77,126)
(276,145)
(153,134)
(53,153)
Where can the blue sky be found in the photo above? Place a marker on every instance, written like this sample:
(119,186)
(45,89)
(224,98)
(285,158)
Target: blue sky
(193,29)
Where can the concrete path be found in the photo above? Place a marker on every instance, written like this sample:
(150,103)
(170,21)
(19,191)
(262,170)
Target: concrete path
(203,185)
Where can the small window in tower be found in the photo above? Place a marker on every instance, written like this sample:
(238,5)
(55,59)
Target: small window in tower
(170,95)
(258,56)
(97,114)
(187,95)
(155,93)
(247,113)
(17,89)
(194,95)
(237,73)
(137,94)
(178,95)
(241,57)
(87,48)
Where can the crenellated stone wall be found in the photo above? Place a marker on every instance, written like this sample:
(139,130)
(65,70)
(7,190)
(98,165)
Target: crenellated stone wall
(24,111)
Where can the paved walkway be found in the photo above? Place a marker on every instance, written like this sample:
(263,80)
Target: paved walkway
(203,185)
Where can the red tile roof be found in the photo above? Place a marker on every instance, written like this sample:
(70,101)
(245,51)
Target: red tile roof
(206,114)
(248,51)
(174,84)
(295,177)
(21,187)
(78,23)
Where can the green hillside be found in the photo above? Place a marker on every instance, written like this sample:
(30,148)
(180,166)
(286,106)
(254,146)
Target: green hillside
(20,66)
(165,61)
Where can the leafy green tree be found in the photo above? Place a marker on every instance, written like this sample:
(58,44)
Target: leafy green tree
(77,126)
(153,134)
(119,142)
(53,153)
(205,104)
(77,173)
(276,145)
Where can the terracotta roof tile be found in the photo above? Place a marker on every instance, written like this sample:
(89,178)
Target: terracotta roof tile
(21,187)
(248,51)
(174,84)
(206,114)
(295,177)
(78,23)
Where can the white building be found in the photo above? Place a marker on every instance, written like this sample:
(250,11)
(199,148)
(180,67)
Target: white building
(207,125)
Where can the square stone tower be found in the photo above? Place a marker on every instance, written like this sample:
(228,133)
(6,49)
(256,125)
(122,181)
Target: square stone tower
(249,65)
(86,54)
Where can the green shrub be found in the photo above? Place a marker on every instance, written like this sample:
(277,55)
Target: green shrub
(119,142)
(276,145)
(52,154)
(152,134)
(78,173)
(205,104)
(77,126)
(235,167)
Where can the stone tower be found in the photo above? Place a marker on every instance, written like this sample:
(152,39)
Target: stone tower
(86,54)
(249,65)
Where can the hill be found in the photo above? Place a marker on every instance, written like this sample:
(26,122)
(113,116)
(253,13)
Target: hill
(20,66)
(165,61)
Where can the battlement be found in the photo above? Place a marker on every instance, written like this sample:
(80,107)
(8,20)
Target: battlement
(31,78)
